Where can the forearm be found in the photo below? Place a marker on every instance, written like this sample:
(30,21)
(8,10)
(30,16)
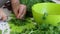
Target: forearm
(15,5)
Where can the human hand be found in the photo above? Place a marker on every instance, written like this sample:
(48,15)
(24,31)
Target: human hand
(3,16)
(21,12)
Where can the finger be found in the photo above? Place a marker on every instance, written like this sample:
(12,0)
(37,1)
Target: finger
(20,11)
(23,14)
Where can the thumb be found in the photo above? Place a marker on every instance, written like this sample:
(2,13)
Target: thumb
(4,18)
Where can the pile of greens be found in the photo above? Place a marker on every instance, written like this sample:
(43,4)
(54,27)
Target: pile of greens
(44,29)
(29,26)
(18,25)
